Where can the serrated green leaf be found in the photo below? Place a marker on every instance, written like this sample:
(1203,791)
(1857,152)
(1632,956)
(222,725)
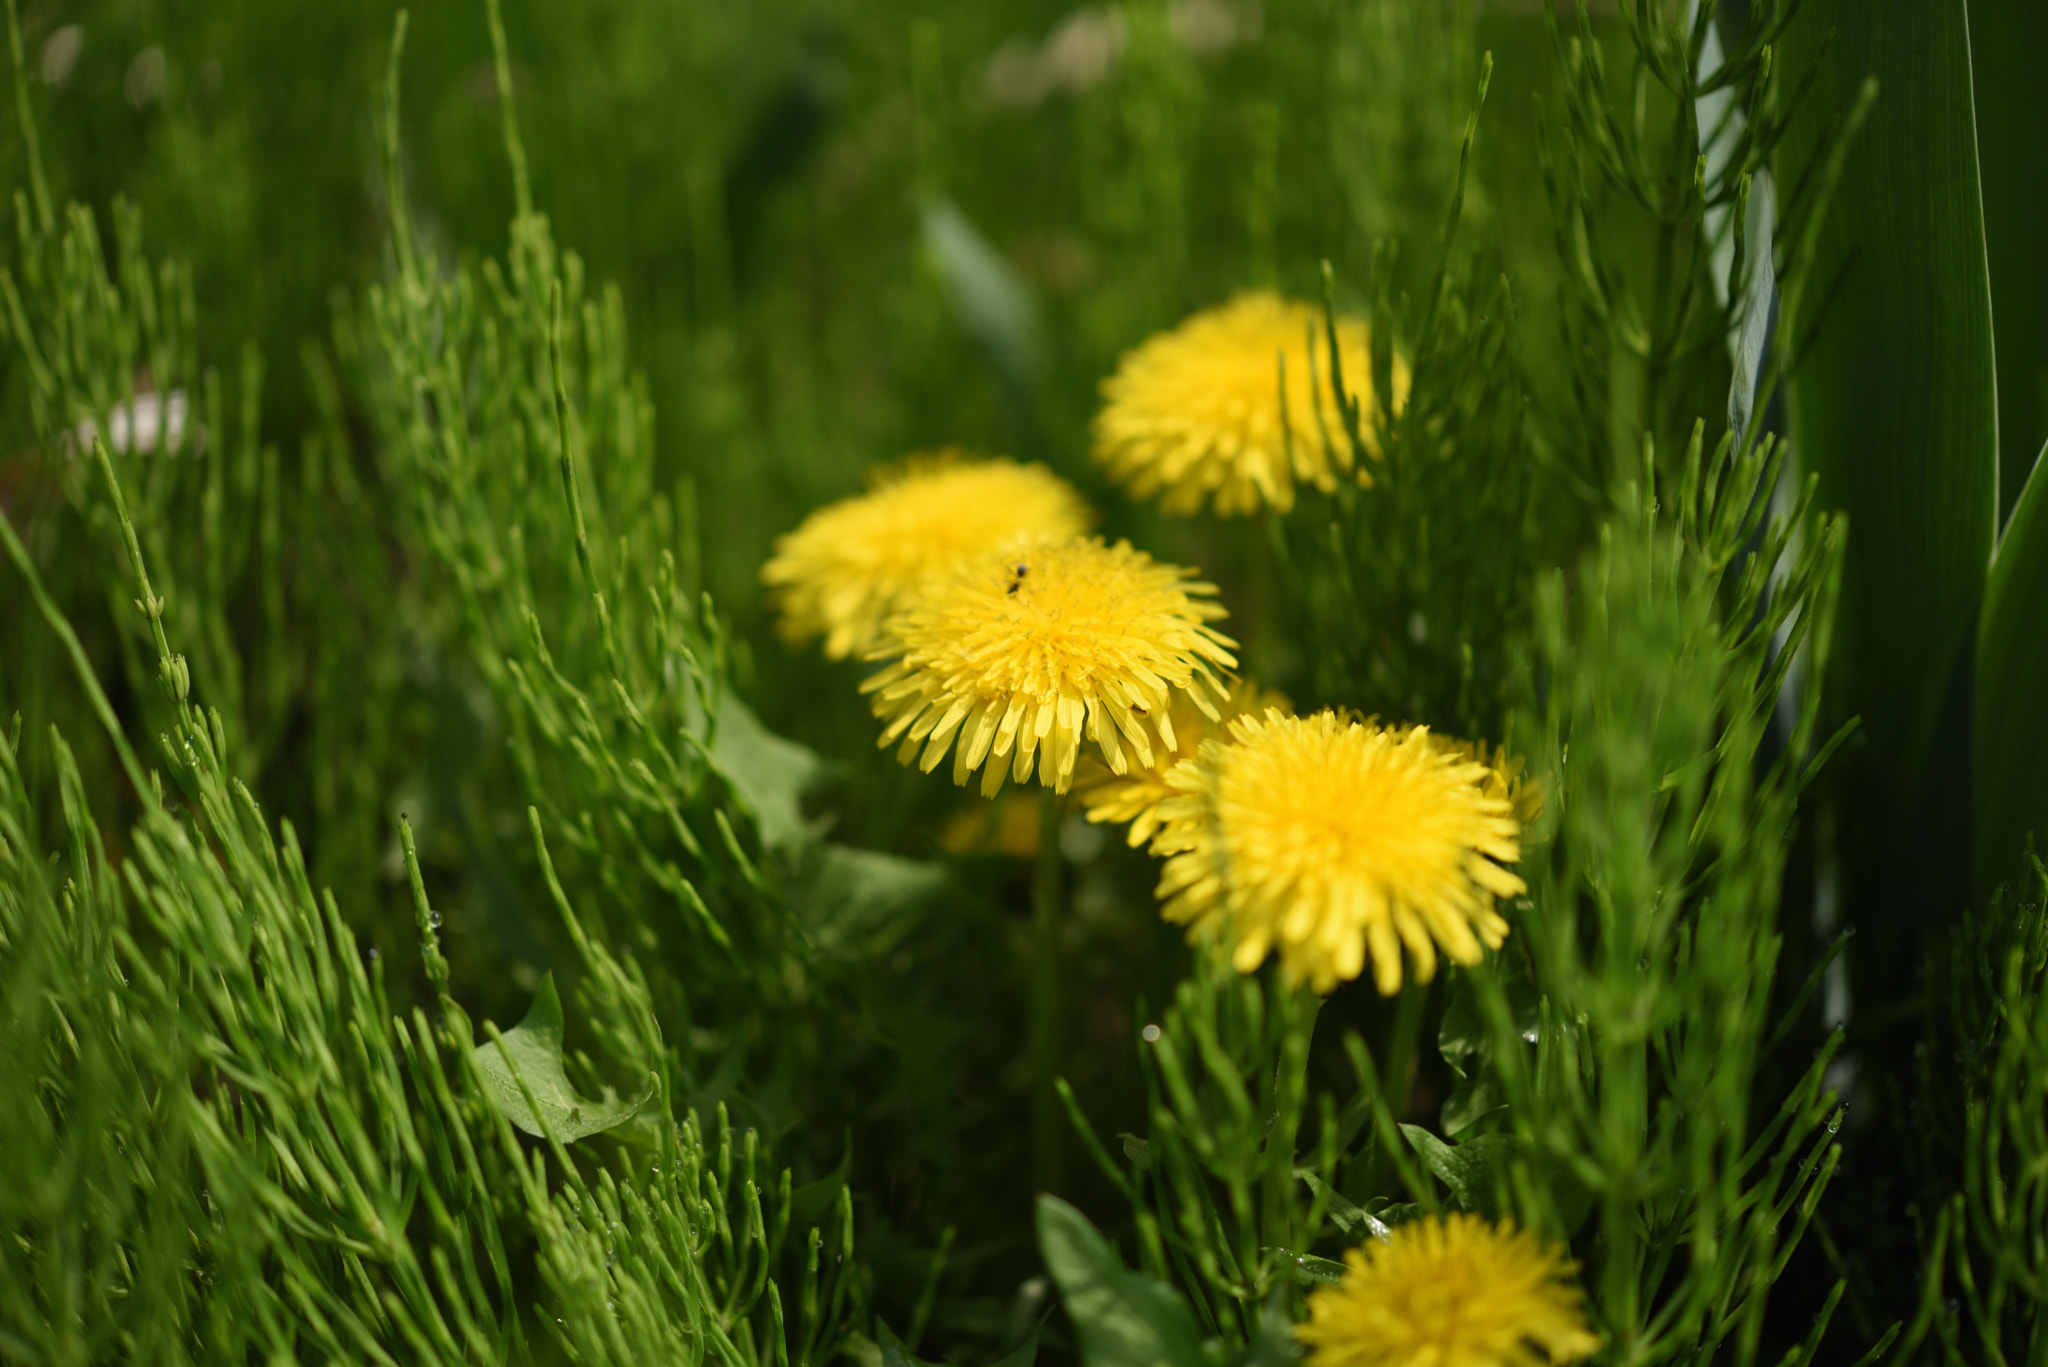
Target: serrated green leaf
(857,901)
(531,1053)
(769,774)
(1124,1318)
(2012,691)
(1893,400)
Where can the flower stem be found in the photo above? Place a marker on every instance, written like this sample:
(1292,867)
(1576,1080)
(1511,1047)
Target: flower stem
(1048,1125)
(1400,1055)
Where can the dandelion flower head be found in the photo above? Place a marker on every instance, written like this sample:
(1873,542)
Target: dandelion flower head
(1195,414)
(1330,841)
(1135,796)
(1020,653)
(850,564)
(1504,777)
(1450,1292)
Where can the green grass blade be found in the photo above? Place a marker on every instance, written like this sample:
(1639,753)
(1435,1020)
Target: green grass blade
(2012,690)
(2006,43)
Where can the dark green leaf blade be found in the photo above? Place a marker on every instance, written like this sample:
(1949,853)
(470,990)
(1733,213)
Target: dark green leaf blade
(769,774)
(2006,43)
(1124,1318)
(531,1052)
(859,903)
(2012,690)
(1893,400)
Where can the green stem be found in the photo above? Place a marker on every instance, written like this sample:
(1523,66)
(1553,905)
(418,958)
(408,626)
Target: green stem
(1399,1067)
(1047,990)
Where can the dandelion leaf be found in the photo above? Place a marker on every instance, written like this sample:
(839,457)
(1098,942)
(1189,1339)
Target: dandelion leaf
(531,1053)
(768,774)
(1124,1318)
(1025,1353)
(859,903)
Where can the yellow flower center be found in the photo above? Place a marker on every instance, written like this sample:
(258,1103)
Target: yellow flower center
(1043,645)
(1330,841)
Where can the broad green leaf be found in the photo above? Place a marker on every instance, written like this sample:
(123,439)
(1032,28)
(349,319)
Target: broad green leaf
(893,1353)
(769,775)
(1124,1318)
(2006,44)
(860,902)
(1470,1105)
(1893,401)
(1025,1353)
(1466,1045)
(2012,691)
(531,1053)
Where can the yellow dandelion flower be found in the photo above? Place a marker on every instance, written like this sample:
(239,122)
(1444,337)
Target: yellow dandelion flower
(1020,653)
(1504,777)
(850,564)
(1195,414)
(1107,796)
(1332,840)
(1450,1292)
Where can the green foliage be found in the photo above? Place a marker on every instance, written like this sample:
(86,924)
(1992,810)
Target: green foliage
(379,579)
(1657,897)
(1983,1063)
(1908,449)
(1213,1188)
(524,1069)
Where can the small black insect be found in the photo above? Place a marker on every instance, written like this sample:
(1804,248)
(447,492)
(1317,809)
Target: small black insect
(1017,577)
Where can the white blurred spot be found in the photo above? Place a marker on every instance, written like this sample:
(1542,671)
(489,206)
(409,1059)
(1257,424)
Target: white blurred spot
(1212,25)
(1080,53)
(1084,48)
(1151,1034)
(146,423)
(147,75)
(1081,841)
(60,54)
